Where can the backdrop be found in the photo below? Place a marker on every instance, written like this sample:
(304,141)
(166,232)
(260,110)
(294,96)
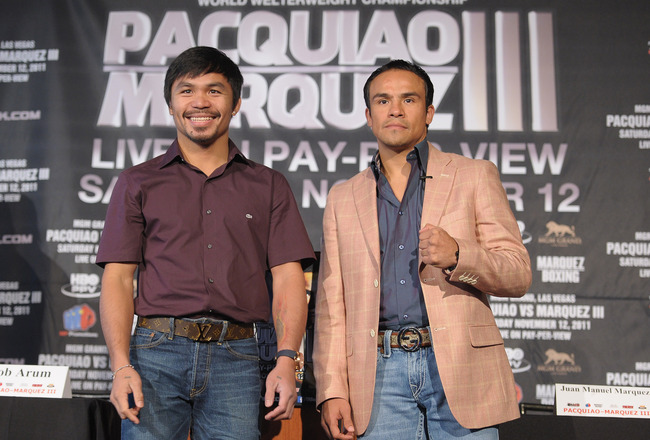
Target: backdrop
(555,93)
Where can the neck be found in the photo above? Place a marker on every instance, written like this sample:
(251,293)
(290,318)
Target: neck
(205,158)
(396,169)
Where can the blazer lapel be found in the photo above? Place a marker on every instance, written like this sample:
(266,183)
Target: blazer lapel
(364,193)
(438,188)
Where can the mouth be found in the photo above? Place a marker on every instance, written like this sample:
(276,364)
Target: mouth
(395,124)
(200,119)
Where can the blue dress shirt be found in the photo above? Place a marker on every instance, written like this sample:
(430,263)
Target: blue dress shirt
(402,302)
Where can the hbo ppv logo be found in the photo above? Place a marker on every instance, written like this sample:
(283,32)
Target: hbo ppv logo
(82,285)
(517,361)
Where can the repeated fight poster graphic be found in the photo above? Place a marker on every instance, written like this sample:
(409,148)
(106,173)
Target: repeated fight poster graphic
(554,93)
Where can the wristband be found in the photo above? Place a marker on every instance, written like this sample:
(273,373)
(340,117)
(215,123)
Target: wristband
(450,269)
(296,356)
(121,368)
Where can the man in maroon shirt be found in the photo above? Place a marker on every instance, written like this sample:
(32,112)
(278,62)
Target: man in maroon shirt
(202,225)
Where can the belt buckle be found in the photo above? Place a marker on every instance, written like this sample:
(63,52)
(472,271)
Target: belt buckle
(204,332)
(409,339)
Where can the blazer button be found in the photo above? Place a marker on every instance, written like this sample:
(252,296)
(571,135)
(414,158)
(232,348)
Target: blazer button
(372,333)
(376,283)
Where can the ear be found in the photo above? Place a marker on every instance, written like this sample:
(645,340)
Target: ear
(237,107)
(430,112)
(368,117)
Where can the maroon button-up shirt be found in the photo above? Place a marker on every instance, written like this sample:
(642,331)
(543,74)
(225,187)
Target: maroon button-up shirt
(203,244)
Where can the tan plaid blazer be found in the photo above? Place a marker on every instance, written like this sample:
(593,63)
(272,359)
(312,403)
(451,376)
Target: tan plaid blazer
(466,198)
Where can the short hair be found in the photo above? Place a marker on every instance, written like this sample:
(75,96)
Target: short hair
(201,60)
(400,65)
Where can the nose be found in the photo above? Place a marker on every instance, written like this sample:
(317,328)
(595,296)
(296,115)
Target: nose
(395,109)
(200,101)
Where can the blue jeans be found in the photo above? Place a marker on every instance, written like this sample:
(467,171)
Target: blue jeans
(212,387)
(409,402)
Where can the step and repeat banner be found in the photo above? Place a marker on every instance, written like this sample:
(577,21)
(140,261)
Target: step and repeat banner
(555,93)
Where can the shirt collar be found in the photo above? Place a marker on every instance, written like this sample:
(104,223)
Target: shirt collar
(174,154)
(420,150)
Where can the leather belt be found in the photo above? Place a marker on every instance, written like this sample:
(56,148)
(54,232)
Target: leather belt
(408,338)
(199,331)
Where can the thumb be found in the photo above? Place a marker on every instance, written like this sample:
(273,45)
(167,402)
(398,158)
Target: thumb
(426,227)
(348,424)
(269,396)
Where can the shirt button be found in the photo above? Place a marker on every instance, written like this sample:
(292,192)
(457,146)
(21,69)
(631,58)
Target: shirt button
(402,282)
(401,247)
(406,316)
(401,213)
(209,211)
(210,280)
(209,246)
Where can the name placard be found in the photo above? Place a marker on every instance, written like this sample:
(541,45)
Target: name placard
(602,401)
(35,381)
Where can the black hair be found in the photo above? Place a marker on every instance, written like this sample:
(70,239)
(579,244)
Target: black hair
(201,60)
(400,65)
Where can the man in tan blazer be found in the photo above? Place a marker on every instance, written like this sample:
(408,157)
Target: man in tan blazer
(406,346)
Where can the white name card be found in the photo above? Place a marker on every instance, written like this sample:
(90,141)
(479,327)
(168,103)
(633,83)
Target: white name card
(35,381)
(602,401)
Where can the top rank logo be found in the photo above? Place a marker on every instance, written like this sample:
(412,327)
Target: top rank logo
(560,235)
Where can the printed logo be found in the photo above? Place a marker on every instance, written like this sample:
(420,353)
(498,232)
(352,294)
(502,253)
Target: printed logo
(559,363)
(79,318)
(520,393)
(526,237)
(20,115)
(82,285)
(559,235)
(16,238)
(560,269)
(517,361)
(545,393)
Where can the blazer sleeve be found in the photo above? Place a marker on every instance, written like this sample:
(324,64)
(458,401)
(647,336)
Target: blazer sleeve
(329,354)
(494,260)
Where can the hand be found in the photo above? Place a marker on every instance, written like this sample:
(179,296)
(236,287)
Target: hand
(334,411)
(281,380)
(127,381)
(437,248)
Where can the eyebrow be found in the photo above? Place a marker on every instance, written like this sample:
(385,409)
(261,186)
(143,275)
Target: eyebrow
(401,95)
(217,84)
